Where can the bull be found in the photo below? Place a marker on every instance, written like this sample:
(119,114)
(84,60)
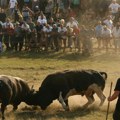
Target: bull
(62,85)
(13,90)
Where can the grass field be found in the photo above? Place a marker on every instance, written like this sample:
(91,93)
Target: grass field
(34,67)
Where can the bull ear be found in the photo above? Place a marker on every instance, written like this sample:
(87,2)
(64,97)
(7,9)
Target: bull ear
(104,75)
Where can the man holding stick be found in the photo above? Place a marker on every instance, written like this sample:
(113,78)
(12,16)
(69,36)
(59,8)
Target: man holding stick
(116,94)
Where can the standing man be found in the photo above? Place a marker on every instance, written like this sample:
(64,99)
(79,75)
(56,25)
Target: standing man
(116,37)
(106,36)
(114,6)
(98,33)
(12,4)
(115,95)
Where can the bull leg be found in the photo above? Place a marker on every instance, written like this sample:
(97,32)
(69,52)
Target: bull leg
(67,105)
(61,100)
(3,106)
(15,105)
(99,93)
(90,101)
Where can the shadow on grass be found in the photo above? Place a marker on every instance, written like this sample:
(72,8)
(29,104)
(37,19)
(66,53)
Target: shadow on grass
(44,55)
(79,112)
(71,56)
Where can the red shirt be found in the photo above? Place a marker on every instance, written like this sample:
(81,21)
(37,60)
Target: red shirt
(10,31)
(76,31)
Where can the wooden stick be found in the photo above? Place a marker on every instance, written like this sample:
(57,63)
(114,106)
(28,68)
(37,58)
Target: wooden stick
(109,101)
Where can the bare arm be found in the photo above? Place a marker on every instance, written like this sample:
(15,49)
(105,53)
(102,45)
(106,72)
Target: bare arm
(114,96)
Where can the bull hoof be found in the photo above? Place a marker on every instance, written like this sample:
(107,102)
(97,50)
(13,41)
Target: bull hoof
(67,109)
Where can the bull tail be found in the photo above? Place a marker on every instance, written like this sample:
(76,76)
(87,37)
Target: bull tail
(104,75)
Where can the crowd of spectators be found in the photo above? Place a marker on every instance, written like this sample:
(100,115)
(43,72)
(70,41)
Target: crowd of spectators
(54,25)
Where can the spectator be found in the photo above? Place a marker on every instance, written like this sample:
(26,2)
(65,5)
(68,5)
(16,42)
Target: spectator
(116,36)
(36,11)
(54,36)
(34,4)
(106,35)
(49,9)
(60,4)
(114,6)
(47,29)
(62,36)
(17,14)
(108,22)
(98,33)
(1,37)
(39,28)
(42,19)
(8,28)
(2,15)
(76,32)
(18,37)
(26,32)
(72,22)
(12,3)
(26,12)
(70,37)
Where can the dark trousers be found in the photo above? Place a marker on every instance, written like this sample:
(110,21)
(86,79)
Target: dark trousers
(116,115)
(6,41)
(19,43)
(12,41)
(56,43)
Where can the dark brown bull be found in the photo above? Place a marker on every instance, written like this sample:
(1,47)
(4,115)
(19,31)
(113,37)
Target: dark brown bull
(13,90)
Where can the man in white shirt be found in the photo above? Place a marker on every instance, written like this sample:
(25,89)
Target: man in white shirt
(47,29)
(42,19)
(114,6)
(72,22)
(62,35)
(12,4)
(108,22)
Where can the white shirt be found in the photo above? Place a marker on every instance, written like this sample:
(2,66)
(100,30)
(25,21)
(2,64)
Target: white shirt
(109,23)
(5,25)
(42,21)
(114,7)
(13,3)
(72,24)
(26,27)
(64,29)
(47,30)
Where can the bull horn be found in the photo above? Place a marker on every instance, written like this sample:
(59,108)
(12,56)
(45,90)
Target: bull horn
(61,100)
(32,86)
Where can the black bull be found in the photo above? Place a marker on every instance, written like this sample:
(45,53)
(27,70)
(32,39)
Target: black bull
(61,85)
(13,90)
